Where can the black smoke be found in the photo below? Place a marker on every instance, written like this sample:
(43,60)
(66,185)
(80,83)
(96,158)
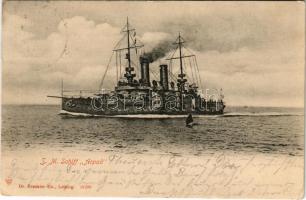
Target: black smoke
(159,51)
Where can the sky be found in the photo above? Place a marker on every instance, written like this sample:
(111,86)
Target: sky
(254,51)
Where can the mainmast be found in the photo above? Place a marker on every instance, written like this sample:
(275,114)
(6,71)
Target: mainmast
(181,76)
(181,80)
(128,43)
(180,49)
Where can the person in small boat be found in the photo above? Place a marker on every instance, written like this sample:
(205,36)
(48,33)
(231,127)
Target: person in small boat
(189,121)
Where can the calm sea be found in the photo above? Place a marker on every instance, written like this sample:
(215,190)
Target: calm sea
(241,129)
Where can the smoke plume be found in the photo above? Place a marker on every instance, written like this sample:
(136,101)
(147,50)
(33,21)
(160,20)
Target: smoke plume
(160,50)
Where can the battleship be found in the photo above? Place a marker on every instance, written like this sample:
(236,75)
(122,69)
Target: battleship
(139,89)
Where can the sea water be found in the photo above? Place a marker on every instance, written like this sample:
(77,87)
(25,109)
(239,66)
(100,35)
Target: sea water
(260,130)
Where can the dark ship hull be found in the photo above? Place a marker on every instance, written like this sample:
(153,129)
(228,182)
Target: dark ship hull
(80,106)
(160,103)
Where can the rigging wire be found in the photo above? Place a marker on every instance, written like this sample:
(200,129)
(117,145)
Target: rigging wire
(110,59)
(174,52)
(185,69)
(154,73)
(119,41)
(170,71)
(123,28)
(117,66)
(135,40)
(173,77)
(194,80)
(170,66)
(196,63)
(105,72)
(135,66)
(195,72)
(120,62)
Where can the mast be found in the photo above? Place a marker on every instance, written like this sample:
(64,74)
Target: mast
(181,76)
(62,88)
(181,80)
(180,48)
(129,68)
(128,74)
(62,92)
(128,42)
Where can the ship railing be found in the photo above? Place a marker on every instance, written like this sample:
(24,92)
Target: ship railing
(83,93)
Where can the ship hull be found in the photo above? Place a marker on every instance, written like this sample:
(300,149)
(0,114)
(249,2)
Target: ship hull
(88,107)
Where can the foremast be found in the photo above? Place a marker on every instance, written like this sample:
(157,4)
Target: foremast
(129,69)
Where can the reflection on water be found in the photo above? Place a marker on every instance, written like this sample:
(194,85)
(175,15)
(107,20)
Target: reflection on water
(262,130)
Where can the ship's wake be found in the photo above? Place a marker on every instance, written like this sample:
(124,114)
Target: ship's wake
(136,116)
(238,114)
(165,116)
